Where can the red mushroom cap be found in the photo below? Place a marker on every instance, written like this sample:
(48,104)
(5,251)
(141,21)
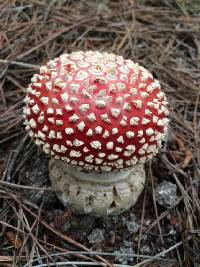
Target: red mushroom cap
(96,111)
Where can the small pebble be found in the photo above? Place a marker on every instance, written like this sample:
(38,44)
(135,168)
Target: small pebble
(96,236)
(126,249)
(66,226)
(131,224)
(132,227)
(166,194)
(145,249)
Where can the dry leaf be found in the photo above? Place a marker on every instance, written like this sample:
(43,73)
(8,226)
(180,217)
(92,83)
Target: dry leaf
(14,239)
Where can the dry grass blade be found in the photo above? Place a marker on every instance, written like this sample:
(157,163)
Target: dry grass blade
(162,36)
(64,237)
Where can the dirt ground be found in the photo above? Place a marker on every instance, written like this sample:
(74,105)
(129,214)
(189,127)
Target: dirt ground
(35,229)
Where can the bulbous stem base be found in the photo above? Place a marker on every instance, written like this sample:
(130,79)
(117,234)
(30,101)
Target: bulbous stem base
(97,194)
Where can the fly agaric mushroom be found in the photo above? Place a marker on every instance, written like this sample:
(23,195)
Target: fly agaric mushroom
(101,117)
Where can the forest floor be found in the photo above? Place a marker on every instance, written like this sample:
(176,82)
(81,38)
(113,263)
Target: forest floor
(35,229)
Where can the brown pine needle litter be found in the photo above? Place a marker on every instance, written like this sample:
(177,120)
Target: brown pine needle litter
(35,229)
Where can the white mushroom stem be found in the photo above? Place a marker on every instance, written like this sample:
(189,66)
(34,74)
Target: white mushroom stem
(98,194)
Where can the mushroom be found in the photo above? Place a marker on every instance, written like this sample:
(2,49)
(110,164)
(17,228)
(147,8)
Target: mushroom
(101,117)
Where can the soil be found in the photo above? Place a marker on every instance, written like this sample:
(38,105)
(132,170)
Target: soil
(35,228)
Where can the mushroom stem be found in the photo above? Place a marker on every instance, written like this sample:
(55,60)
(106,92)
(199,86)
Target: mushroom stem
(98,194)
(102,177)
